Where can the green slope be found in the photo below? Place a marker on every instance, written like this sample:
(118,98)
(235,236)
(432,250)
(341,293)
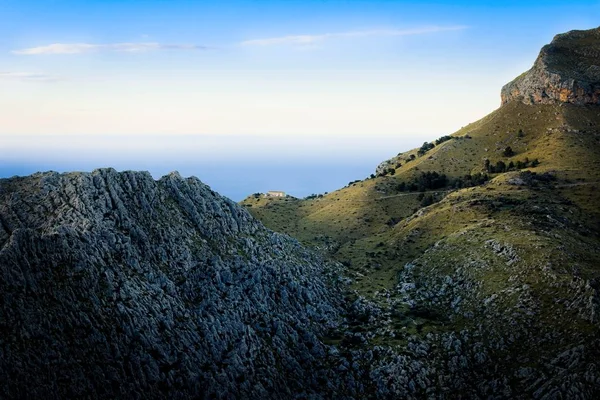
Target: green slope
(352,223)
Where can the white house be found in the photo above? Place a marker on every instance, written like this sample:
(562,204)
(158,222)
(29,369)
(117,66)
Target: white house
(275,193)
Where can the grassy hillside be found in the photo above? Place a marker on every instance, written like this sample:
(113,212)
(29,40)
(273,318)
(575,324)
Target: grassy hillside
(365,217)
(477,254)
(508,267)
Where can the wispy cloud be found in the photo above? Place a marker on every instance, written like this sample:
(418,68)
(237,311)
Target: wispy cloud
(80,48)
(29,77)
(311,39)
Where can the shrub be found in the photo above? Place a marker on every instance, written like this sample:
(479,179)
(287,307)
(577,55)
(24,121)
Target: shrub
(533,179)
(425,148)
(427,201)
(390,171)
(442,139)
(500,166)
(508,152)
(434,180)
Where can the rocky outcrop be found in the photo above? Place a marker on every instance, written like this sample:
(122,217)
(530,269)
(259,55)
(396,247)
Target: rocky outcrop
(566,71)
(114,285)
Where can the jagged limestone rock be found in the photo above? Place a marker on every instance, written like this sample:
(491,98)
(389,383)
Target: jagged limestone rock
(114,285)
(566,71)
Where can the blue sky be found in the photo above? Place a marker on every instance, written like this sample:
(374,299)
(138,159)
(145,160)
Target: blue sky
(390,72)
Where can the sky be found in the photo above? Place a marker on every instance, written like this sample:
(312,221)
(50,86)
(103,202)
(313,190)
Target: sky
(256,95)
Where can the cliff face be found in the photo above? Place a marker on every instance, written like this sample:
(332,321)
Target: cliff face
(566,71)
(116,285)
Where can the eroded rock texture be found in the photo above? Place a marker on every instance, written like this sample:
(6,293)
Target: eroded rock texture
(117,285)
(566,71)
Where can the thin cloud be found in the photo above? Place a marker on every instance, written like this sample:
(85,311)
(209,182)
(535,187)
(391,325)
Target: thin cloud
(28,77)
(311,39)
(81,48)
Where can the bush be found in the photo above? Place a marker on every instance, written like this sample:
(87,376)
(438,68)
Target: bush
(425,148)
(427,201)
(533,179)
(434,180)
(313,196)
(442,139)
(387,171)
(500,166)
(508,152)
(470,180)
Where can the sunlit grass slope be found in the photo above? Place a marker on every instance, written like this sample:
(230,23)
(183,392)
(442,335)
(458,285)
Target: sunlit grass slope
(375,229)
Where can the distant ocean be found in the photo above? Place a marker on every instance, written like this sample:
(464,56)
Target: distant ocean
(235,166)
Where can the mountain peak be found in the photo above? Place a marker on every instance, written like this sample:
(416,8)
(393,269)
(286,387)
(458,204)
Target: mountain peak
(566,71)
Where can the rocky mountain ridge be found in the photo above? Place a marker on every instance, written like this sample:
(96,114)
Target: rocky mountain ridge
(114,285)
(566,71)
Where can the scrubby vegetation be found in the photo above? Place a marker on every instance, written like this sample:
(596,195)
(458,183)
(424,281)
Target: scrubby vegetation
(313,196)
(508,152)
(533,179)
(425,148)
(501,166)
(387,171)
(435,180)
(430,145)
(442,140)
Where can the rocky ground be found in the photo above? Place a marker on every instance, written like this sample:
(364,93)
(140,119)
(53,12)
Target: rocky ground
(116,285)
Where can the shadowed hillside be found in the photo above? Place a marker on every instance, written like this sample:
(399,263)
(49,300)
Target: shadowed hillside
(113,285)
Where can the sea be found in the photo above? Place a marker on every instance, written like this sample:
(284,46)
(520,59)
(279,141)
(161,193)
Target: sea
(233,165)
